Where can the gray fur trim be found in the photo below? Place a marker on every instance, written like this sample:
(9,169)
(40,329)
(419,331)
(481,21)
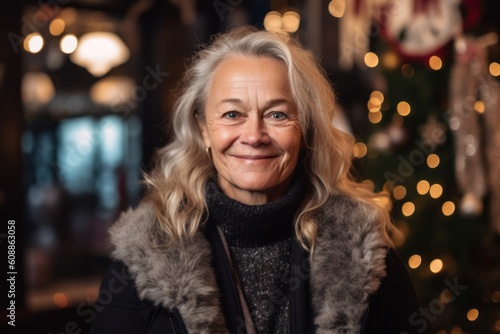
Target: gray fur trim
(179,276)
(350,253)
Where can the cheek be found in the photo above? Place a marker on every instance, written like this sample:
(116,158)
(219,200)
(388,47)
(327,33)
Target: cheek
(221,137)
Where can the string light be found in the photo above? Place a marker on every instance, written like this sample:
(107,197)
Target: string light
(60,300)
(403,108)
(390,60)
(337,8)
(414,261)
(423,187)
(360,150)
(375,117)
(33,42)
(497,325)
(399,192)
(436,190)
(377,97)
(472,314)
(68,43)
(456,330)
(373,105)
(446,296)
(408,209)
(57,27)
(371,59)
(272,21)
(368,184)
(436,266)
(388,186)
(435,63)
(495,69)
(448,208)
(290,21)
(433,160)
(479,106)
(495,297)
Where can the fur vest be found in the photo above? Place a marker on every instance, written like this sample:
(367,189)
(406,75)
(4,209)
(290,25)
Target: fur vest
(346,269)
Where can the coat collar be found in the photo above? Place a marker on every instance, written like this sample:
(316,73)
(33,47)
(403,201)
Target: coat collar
(347,267)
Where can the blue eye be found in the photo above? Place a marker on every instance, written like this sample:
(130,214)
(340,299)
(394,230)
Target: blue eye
(231,114)
(278,115)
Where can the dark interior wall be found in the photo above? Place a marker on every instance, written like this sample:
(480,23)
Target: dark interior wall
(11,128)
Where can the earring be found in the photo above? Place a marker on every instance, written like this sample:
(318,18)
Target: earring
(209,152)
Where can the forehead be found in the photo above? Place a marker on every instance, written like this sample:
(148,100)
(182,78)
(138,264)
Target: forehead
(239,71)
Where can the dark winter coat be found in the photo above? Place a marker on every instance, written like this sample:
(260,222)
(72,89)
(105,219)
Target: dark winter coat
(353,284)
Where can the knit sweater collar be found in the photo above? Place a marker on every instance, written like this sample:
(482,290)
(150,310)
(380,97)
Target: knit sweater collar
(255,225)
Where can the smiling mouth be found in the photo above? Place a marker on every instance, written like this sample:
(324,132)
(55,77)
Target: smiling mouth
(255,157)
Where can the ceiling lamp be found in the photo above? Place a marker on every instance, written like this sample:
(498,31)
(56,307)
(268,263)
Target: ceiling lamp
(99,52)
(112,91)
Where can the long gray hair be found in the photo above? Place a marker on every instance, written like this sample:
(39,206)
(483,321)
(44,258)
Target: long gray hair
(177,183)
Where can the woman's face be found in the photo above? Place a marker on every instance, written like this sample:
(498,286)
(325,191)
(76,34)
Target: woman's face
(252,127)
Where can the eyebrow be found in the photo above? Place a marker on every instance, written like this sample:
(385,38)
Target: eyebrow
(269,104)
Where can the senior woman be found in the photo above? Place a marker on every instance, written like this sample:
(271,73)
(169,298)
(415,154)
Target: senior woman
(252,222)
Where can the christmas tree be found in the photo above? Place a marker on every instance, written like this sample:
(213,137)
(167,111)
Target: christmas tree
(432,141)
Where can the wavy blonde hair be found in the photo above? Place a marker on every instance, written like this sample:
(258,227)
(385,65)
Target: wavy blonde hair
(177,183)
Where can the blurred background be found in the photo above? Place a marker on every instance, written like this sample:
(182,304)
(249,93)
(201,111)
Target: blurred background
(86,89)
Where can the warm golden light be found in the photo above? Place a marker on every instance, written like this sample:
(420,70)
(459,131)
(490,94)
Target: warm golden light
(436,191)
(33,42)
(399,192)
(60,300)
(290,21)
(414,261)
(57,27)
(435,63)
(368,184)
(68,43)
(373,105)
(479,106)
(446,296)
(272,21)
(113,90)
(407,71)
(337,8)
(495,69)
(99,52)
(423,187)
(497,325)
(371,59)
(375,117)
(37,89)
(390,60)
(433,160)
(408,209)
(388,187)
(360,150)
(377,97)
(495,297)
(436,266)
(448,208)
(473,314)
(403,108)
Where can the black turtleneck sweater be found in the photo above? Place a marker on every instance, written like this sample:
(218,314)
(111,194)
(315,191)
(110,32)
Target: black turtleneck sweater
(260,240)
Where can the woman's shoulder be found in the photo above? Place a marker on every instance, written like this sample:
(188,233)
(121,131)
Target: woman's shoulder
(349,214)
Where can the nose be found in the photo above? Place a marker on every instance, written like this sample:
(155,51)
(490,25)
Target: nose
(254,132)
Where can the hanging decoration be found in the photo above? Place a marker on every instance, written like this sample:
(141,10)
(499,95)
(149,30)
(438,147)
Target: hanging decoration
(474,94)
(421,28)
